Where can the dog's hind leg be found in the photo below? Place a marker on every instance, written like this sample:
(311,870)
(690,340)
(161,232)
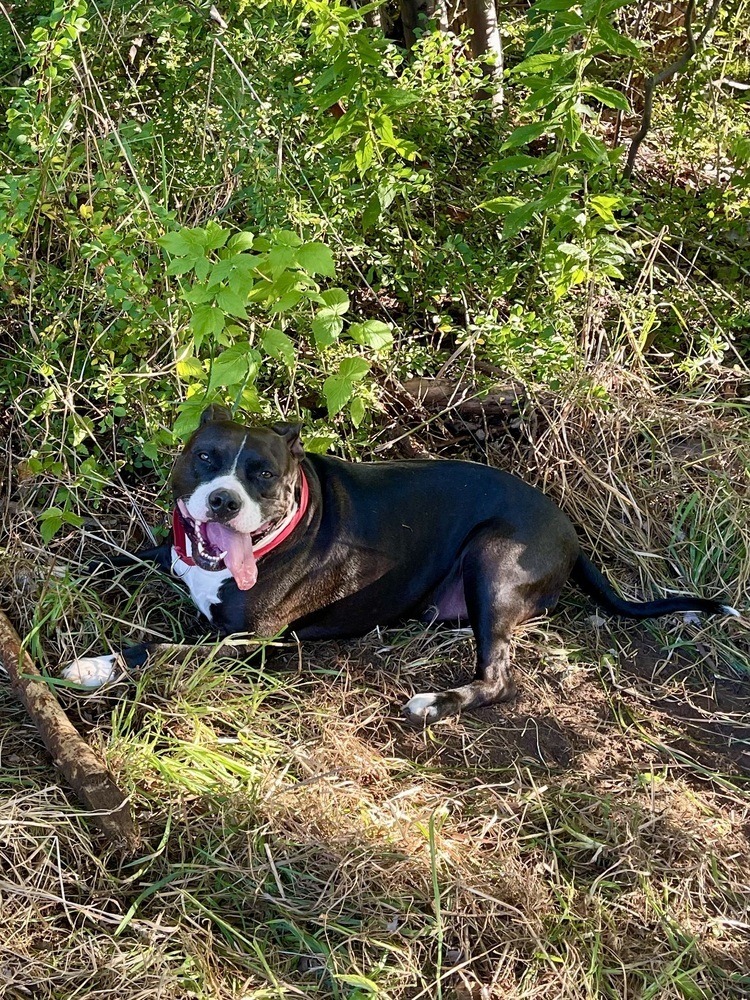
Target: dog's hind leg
(503,588)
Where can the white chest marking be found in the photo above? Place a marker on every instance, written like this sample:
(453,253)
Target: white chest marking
(203,584)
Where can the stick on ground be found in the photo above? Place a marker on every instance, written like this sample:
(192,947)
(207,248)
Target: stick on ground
(86,774)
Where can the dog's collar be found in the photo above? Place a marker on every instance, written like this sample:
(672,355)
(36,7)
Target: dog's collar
(264,545)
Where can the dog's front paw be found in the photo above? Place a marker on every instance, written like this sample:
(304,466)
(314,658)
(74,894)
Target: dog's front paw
(91,671)
(422,709)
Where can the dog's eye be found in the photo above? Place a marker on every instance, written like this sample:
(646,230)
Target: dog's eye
(203,456)
(266,474)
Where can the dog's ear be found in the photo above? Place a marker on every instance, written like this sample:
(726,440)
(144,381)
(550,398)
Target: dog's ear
(215,413)
(291,434)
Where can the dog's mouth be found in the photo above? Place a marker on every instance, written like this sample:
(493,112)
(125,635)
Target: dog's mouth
(216,547)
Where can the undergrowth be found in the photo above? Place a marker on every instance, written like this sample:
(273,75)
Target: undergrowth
(281,209)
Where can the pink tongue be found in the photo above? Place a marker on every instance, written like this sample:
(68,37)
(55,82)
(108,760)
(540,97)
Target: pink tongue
(239,557)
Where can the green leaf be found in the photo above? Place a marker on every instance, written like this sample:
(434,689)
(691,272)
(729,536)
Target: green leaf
(242,280)
(614,41)
(51,522)
(216,236)
(336,299)
(240,242)
(316,258)
(326,327)
(592,148)
(338,389)
(234,366)
(181,265)
(342,89)
(201,267)
(260,292)
(232,303)
(524,134)
(607,95)
(51,512)
(198,294)
(603,205)
(196,238)
(190,368)
(279,346)
(206,320)
(548,95)
(519,161)
(371,213)
(572,126)
(366,50)
(396,97)
(553,5)
(354,368)
(521,217)
(285,302)
(357,410)
(328,75)
(176,244)
(518,219)
(279,260)
(337,392)
(221,270)
(501,206)
(372,333)
(540,63)
(286,238)
(555,38)
(189,416)
(370,987)
(364,152)
(321,442)
(573,251)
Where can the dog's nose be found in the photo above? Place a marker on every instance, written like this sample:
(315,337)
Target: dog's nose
(224,503)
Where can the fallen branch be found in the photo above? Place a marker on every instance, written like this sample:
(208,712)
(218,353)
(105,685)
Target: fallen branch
(82,769)
(504,402)
(667,73)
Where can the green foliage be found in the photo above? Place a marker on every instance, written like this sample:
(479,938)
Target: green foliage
(570,191)
(240,284)
(381,194)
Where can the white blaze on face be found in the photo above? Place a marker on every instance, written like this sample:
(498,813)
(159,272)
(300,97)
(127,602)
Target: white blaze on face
(248,519)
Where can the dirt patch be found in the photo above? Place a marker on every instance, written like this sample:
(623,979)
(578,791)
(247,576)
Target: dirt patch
(584,720)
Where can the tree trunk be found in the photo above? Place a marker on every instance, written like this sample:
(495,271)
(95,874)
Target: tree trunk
(485,41)
(410,14)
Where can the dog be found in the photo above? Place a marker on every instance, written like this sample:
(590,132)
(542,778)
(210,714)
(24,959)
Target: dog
(269,540)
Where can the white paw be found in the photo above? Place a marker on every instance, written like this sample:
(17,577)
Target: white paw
(91,671)
(422,708)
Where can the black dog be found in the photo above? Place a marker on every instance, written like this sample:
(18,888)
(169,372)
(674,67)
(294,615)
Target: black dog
(344,547)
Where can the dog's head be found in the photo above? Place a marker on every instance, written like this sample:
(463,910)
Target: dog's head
(233,486)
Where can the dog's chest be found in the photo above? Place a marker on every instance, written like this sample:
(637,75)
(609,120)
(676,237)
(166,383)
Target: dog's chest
(203,584)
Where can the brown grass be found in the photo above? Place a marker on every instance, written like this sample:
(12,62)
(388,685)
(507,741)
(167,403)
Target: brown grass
(588,840)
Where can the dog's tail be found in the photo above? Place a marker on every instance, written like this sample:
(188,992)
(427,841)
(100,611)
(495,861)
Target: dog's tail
(592,583)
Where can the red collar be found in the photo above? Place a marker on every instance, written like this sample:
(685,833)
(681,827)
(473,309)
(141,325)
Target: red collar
(264,545)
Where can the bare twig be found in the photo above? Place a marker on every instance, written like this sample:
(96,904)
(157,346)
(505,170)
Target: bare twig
(83,770)
(667,73)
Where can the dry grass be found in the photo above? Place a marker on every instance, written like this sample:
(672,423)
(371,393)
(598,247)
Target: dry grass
(589,840)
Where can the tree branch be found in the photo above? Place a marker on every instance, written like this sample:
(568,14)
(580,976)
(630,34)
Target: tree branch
(666,74)
(84,772)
